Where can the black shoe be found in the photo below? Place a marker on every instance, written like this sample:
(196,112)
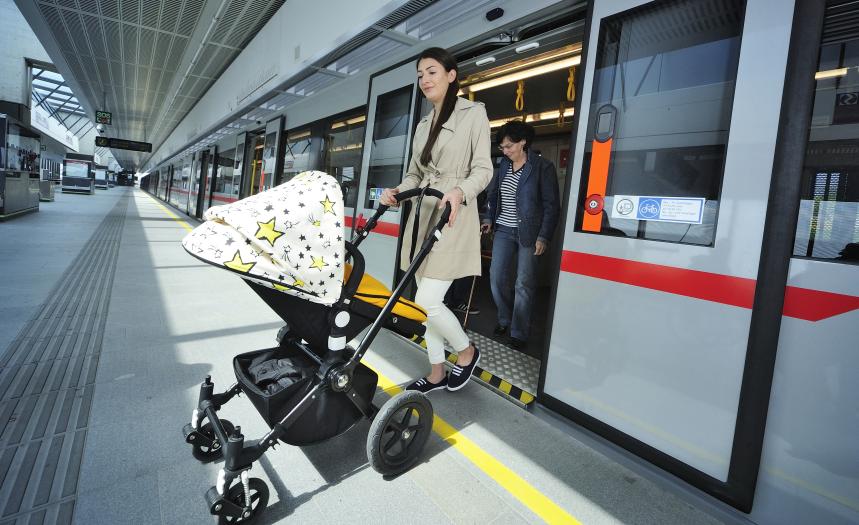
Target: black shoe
(459,375)
(499,330)
(423,385)
(464,309)
(516,343)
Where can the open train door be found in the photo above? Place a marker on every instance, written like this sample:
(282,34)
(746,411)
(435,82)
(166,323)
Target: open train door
(387,147)
(673,156)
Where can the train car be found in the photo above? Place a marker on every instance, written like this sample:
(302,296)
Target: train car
(699,300)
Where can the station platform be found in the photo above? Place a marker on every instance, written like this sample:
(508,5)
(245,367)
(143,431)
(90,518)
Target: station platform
(107,327)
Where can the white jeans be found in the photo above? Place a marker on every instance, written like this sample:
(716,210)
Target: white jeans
(441,323)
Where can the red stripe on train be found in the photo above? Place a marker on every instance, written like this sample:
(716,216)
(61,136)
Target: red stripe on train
(800,303)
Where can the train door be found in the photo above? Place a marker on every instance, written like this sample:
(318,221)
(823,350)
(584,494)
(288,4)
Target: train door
(668,188)
(390,121)
(809,467)
(196,183)
(254,179)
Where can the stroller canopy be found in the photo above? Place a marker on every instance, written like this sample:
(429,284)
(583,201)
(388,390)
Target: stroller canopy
(289,238)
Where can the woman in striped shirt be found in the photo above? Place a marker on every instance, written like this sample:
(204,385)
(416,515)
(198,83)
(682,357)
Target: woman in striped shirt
(522,207)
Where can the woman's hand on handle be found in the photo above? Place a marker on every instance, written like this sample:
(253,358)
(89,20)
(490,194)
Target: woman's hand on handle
(454,197)
(387,197)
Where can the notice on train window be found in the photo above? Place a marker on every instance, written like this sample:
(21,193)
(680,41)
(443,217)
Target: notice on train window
(686,210)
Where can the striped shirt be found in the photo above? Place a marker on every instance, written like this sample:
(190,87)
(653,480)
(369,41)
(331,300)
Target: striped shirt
(508,216)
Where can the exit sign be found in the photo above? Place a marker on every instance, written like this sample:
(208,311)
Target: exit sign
(103,117)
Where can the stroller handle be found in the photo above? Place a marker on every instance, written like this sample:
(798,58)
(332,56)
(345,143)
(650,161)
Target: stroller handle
(403,195)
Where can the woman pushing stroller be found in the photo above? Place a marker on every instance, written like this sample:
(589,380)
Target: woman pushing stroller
(450,153)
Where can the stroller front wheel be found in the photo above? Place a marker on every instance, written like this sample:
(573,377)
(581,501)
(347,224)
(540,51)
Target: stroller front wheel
(399,432)
(212,449)
(258,491)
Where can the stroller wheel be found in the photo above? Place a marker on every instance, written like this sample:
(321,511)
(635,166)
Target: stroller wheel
(259,500)
(206,453)
(399,432)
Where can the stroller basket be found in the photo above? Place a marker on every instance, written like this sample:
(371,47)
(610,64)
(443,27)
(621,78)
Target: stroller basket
(329,415)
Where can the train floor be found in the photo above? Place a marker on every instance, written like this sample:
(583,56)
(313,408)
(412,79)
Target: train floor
(107,327)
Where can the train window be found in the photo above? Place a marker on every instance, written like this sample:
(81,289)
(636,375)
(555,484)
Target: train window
(344,147)
(828,225)
(658,123)
(390,134)
(300,154)
(226,179)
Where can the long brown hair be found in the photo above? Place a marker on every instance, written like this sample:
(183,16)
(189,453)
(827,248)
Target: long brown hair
(448,62)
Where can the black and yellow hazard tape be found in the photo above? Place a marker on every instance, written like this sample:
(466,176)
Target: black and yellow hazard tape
(504,387)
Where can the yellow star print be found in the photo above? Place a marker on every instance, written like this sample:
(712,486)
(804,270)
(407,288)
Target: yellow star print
(328,205)
(318,263)
(298,282)
(266,231)
(238,264)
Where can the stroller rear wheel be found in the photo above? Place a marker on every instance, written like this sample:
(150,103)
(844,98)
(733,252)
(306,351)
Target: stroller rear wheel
(210,452)
(258,491)
(399,432)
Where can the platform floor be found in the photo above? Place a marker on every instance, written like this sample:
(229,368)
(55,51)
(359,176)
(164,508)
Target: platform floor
(107,327)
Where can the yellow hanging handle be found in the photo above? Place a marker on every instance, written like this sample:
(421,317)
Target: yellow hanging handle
(571,90)
(561,110)
(471,96)
(520,96)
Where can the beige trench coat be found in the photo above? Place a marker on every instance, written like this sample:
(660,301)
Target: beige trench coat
(461,157)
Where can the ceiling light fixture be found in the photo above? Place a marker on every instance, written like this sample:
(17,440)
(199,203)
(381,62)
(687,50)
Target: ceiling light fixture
(521,75)
(830,73)
(484,61)
(536,117)
(527,47)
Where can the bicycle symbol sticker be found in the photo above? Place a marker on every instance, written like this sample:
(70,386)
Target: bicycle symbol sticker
(648,209)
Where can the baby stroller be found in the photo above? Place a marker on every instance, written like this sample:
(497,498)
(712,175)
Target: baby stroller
(287,243)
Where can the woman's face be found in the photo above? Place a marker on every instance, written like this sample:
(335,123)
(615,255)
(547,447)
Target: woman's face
(433,79)
(513,150)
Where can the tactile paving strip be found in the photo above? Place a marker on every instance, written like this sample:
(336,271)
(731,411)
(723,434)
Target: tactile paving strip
(47,380)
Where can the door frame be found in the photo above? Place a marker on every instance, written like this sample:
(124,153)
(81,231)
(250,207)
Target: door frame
(777,246)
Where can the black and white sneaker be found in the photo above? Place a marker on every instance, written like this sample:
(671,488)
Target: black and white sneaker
(423,386)
(459,375)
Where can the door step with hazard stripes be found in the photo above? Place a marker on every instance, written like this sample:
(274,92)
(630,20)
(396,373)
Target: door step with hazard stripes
(508,372)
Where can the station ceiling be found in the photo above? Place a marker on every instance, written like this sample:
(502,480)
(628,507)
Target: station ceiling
(147,63)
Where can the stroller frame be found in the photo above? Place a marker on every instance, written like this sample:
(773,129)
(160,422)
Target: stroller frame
(245,501)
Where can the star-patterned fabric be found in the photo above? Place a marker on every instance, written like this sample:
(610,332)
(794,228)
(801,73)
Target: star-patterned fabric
(289,238)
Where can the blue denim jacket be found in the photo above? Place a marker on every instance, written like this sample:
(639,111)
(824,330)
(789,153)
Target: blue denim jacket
(537,199)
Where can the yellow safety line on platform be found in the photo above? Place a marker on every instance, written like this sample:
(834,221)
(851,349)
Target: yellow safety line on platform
(532,498)
(170,213)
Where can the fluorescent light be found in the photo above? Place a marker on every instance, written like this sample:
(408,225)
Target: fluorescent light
(354,120)
(830,73)
(296,136)
(528,47)
(528,73)
(484,61)
(536,117)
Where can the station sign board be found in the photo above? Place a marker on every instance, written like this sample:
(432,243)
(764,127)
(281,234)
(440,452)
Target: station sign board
(103,117)
(106,142)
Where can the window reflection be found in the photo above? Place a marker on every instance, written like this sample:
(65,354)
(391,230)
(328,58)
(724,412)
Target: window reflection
(388,151)
(828,225)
